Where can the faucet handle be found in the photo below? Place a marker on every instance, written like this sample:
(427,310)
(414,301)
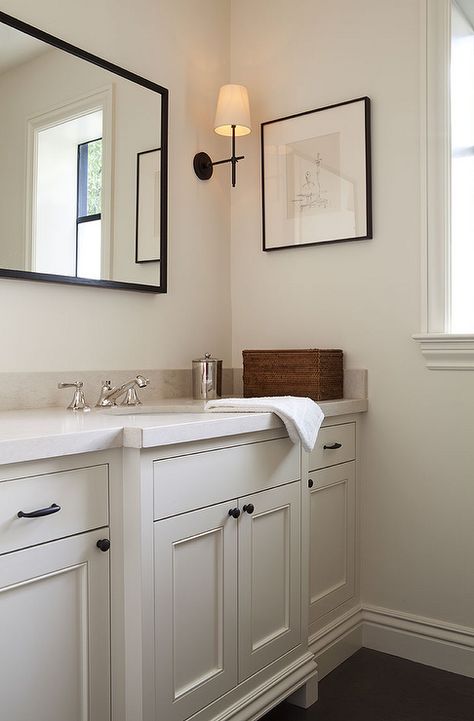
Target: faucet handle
(131,396)
(78,402)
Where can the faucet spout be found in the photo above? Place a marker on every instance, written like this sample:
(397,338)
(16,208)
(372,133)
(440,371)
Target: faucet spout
(110,394)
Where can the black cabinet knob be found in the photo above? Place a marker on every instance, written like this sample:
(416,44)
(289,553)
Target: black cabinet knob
(310,483)
(249,508)
(234,512)
(103,544)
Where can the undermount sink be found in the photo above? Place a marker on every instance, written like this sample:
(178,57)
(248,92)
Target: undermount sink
(170,406)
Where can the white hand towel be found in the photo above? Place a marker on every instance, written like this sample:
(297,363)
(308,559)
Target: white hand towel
(301,416)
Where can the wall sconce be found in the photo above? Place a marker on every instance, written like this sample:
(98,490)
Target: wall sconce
(232,119)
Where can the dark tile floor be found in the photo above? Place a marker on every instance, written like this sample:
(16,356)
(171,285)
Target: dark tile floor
(373,686)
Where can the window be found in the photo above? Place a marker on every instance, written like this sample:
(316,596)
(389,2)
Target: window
(462,173)
(447,338)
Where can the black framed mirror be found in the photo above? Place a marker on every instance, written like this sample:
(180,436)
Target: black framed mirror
(83,166)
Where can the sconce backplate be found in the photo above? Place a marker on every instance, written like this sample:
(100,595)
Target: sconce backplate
(202,164)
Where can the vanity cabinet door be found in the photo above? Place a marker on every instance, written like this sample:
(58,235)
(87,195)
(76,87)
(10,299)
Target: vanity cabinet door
(195,609)
(332,498)
(54,631)
(269,577)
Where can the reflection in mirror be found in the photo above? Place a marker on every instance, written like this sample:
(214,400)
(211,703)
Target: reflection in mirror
(83,166)
(66,236)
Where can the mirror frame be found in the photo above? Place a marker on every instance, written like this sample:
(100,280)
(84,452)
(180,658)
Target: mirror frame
(111,67)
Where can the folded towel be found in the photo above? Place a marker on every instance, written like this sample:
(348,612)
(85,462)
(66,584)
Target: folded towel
(301,416)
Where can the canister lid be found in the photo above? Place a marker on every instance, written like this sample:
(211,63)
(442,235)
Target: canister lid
(207,359)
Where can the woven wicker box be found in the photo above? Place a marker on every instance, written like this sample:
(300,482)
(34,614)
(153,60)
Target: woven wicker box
(314,373)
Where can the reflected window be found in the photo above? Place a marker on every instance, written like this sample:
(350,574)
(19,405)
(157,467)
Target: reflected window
(89,207)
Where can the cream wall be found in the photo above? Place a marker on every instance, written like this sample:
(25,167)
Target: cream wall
(417,442)
(182,45)
(418,455)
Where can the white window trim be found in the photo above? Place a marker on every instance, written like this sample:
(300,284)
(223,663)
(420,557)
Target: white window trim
(447,351)
(442,350)
(100,99)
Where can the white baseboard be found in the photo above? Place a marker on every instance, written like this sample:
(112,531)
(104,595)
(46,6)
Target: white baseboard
(416,638)
(420,639)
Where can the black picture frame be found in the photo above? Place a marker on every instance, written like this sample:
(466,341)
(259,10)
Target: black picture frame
(150,85)
(143,176)
(316,176)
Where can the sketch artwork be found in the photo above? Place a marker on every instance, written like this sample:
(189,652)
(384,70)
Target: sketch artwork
(313,174)
(319,198)
(312,195)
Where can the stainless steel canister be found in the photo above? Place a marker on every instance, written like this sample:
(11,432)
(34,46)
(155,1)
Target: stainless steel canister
(207,378)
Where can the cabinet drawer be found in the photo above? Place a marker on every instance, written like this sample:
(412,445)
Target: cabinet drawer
(201,479)
(340,446)
(82,495)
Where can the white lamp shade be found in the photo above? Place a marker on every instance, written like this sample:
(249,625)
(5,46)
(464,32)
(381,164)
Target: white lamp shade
(232,109)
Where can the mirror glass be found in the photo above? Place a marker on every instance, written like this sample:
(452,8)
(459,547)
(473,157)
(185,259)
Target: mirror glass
(83,166)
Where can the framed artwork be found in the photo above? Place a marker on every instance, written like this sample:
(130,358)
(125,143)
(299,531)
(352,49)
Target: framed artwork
(148,222)
(316,179)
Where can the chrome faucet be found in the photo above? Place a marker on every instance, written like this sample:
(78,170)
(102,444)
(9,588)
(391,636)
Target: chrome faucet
(110,394)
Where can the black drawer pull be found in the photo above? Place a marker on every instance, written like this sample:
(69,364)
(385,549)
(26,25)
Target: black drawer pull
(103,544)
(310,483)
(234,512)
(53,508)
(332,446)
(249,508)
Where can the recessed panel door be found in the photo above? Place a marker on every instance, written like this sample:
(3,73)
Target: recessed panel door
(269,577)
(195,609)
(332,538)
(54,632)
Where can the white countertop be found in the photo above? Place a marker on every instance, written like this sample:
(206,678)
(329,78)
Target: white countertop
(45,433)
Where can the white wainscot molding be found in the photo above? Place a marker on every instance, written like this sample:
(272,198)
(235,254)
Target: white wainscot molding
(444,351)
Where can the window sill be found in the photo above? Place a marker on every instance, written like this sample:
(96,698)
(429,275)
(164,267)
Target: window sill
(443,351)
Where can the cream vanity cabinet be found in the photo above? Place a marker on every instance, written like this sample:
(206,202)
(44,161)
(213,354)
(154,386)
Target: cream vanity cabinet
(331,484)
(225,585)
(54,590)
